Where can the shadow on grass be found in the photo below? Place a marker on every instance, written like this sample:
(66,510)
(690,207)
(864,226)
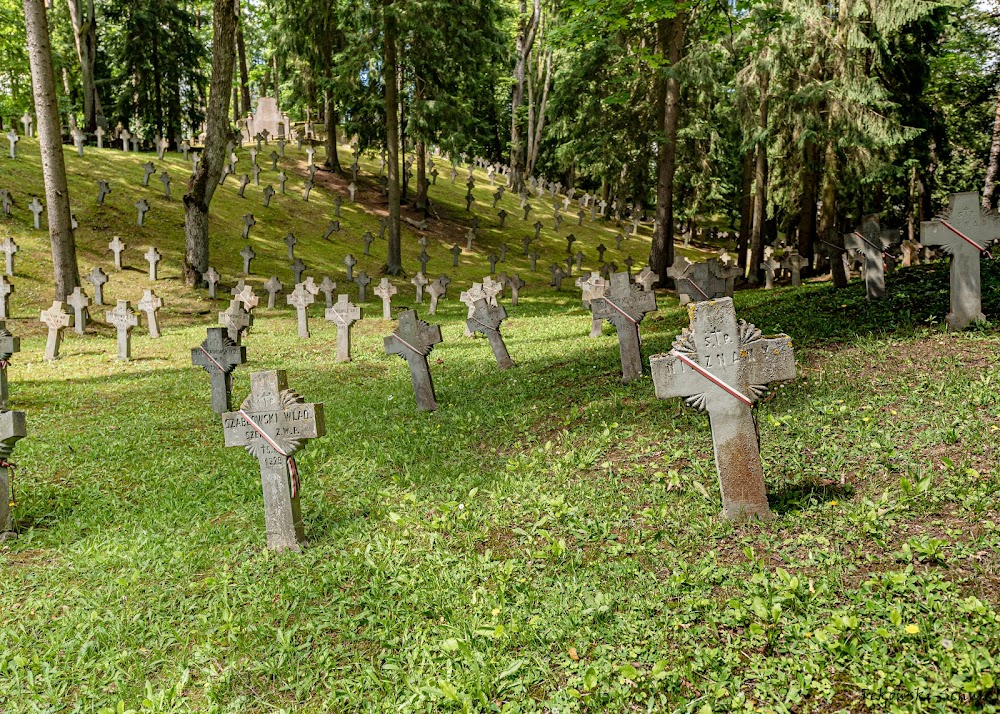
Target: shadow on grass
(802,496)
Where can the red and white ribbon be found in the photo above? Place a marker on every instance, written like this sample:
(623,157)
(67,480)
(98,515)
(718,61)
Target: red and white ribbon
(407,344)
(210,357)
(966,238)
(293,470)
(623,313)
(712,378)
(869,242)
(695,286)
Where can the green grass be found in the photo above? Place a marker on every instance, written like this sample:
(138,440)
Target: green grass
(548,540)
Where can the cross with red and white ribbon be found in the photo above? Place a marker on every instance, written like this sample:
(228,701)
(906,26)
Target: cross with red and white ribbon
(966,238)
(712,378)
(293,470)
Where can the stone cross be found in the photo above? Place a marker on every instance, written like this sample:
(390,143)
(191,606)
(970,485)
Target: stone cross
(487,318)
(362,280)
(8,346)
(245,294)
(56,318)
(350,262)
(456,250)
(333,227)
(219,356)
(770,268)
(273,287)
(212,278)
(117,247)
(386,290)
(6,202)
(185,147)
(161,145)
(413,340)
(165,180)
(125,137)
(148,169)
(301,299)
(247,254)
(343,314)
(103,191)
(281,182)
(37,207)
(6,288)
(794,263)
(290,241)
(419,281)
(624,307)
(13,427)
(79,301)
(515,284)
(646,278)
(965,232)
(351,189)
(9,247)
(248,223)
(236,320)
(327,287)
(255,169)
(367,239)
(593,286)
(244,182)
(26,122)
(99,133)
(268,195)
(143,208)
(78,138)
(436,289)
(493,258)
(298,267)
(123,319)
(152,257)
(272,423)
(724,366)
(538,229)
(13,138)
(492,288)
(149,304)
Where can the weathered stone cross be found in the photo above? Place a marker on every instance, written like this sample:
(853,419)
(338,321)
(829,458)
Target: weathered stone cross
(594,286)
(362,280)
(624,307)
(97,278)
(103,191)
(6,288)
(152,257)
(723,367)
(236,320)
(79,301)
(871,241)
(143,208)
(219,356)
(413,340)
(301,299)
(272,424)
(149,304)
(386,290)
(9,247)
(8,346)
(247,254)
(343,314)
(487,318)
(117,247)
(965,232)
(12,428)
(56,318)
(36,207)
(13,138)
(123,319)
(420,282)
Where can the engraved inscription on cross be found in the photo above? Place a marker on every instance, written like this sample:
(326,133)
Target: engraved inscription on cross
(219,356)
(413,340)
(56,319)
(272,423)
(123,319)
(236,320)
(724,366)
(624,307)
(965,232)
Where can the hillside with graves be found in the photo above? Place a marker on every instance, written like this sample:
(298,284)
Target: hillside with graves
(323,408)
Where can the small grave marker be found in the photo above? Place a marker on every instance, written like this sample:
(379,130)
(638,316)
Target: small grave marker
(149,304)
(624,307)
(343,314)
(123,319)
(301,298)
(413,340)
(219,356)
(487,318)
(152,257)
(79,301)
(723,367)
(271,423)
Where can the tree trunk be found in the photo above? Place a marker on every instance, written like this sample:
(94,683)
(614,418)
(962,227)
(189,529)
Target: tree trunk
(332,116)
(807,206)
(85,37)
(828,215)
(202,184)
(421,199)
(760,187)
(244,75)
(527,29)
(746,209)
(990,195)
(394,258)
(64,266)
(540,121)
(670,38)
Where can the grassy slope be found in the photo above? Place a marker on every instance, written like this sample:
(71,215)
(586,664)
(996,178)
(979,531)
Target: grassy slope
(547,540)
